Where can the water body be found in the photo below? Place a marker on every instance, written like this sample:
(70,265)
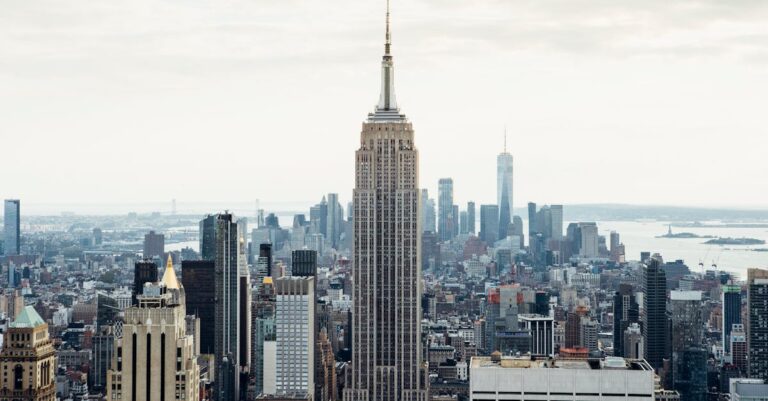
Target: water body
(639,236)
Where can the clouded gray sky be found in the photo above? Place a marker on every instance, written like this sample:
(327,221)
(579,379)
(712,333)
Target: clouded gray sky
(646,102)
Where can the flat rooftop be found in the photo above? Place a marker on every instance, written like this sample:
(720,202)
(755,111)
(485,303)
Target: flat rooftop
(513,362)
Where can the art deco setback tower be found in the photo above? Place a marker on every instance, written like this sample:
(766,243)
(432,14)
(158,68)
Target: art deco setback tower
(386,334)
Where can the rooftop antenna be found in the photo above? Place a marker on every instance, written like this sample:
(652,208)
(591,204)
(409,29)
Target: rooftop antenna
(505,138)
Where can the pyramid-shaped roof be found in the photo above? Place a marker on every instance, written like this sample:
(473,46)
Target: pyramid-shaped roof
(28,318)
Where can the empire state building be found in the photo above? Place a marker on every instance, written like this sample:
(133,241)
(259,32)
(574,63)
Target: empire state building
(386,332)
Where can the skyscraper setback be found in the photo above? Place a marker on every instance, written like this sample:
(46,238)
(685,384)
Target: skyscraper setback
(386,334)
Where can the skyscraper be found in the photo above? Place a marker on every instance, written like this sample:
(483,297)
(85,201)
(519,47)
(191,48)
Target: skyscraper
(334,220)
(28,360)
(655,321)
(556,228)
(230,316)
(197,277)
(531,223)
(504,189)
(154,245)
(445,220)
(12,227)
(386,334)
(428,217)
(489,223)
(757,323)
(155,359)
(471,217)
(731,312)
(689,373)
(625,312)
(294,323)
(589,241)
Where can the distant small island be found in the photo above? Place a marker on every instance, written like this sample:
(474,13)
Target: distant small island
(735,241)
(684,235)
(670,234)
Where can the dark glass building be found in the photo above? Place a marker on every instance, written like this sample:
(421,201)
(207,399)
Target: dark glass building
(304,263)
(144,271)
(265,251)
(197,277)
(656,322)
(731,312)
(625,312)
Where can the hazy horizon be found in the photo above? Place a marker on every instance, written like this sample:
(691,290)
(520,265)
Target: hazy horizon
(604,102)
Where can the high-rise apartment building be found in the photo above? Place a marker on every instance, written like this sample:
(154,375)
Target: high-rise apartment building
(12,227)
(386,316)
(655,320)
(28,360)
(757,323)
(154,245)
(294,324)
(198,277)
(156,359)
(446,221)
(731,301)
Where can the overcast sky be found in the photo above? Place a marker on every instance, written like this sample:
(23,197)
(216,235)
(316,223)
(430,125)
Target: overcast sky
(642,102)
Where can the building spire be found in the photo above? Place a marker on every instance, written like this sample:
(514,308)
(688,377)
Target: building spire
(388,38)
(505,138)
(387,101)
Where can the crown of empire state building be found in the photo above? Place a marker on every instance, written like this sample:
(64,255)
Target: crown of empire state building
(386,109)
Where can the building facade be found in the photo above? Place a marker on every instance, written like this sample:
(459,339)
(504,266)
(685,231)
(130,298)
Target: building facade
(757,323)
(28,360)
(197,277)
(294,325)
(386,318)
(655,321)
(155,359)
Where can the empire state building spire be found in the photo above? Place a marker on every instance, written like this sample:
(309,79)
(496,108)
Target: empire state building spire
(386,109)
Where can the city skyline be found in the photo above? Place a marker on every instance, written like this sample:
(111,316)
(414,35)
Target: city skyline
(635,101)
(379,292)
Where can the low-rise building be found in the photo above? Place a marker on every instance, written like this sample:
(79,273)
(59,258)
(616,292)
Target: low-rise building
(524,378)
